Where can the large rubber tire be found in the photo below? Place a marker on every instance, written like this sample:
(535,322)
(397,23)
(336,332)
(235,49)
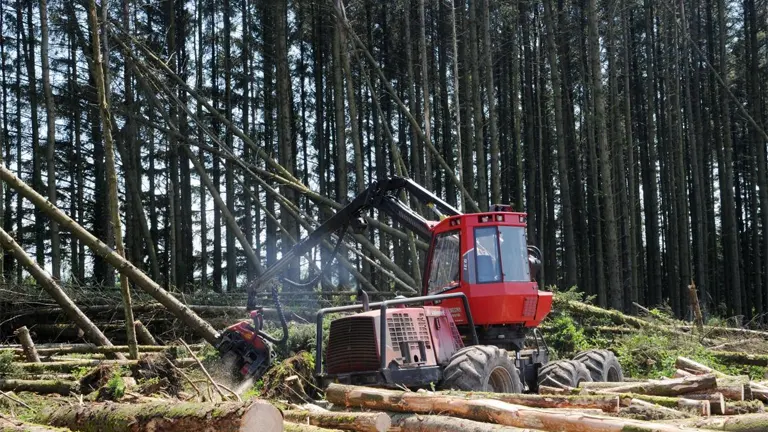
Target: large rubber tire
(482,368)
(602,365)
(563,372)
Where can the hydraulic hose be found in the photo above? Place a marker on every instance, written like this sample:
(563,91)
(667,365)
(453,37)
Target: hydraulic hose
(280,316)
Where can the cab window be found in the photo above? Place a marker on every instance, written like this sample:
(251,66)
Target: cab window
(444,269)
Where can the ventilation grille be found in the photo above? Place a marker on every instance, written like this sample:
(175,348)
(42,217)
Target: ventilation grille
(402,329)
(352,346)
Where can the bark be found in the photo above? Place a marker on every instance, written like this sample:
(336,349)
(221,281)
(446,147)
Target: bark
(742,423)
(173,305)
(143,336)
(181,417)
(483,410)
(50,138)
(717,404)
(670,387)
(362,422)
(741,358)
(439,423)
(15,425)
(47,350)
(295,427)
(28,345)
(63,388)
(745,407)
(701,407)
(69,365)
(607,403)
(695,367)
(106,127)
(649,411)
(91,332)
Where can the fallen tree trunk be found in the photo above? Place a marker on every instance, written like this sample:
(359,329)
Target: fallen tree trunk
(143,335)
(742,423)
(489,410)
(744,407)
(16,425)
(738,358)
(670,387)
(607,403)
(438,423)
(125,267)
(46,351)
(296,427)
(642,410)
(717,404)
(39,386)
(758,392)
(695,367)
(28,346)
(700,407)
(727,332)
(616,317)
(66,366)
(48,283)
(167,417)
(354,421)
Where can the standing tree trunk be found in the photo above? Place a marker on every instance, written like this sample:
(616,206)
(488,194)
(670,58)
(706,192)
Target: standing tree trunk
(569,249)
(106,125)
(456,103)
(51,139)
(490,91)
(481,163)
(606,181)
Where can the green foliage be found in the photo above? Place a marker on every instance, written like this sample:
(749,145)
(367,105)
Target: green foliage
(80,372)
(564,338)
(208,353)
(116,386)
(7,366)
(652,355)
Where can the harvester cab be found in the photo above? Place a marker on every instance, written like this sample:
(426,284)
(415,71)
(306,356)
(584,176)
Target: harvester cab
(473,328)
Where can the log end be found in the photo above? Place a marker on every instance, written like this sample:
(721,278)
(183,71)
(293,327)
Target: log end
(262,416)
(382,422)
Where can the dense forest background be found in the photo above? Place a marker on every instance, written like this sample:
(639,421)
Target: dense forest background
(632,132)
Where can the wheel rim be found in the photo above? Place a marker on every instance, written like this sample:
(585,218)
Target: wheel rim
(500,381)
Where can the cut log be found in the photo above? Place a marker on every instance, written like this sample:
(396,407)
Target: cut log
(167,417)
(679,373)
(738,358)
(94,349)
(125,267)
(143,336)
(670,387)
(642,410)
(601,385)
(296,427)
(727,332)
(354,421)
(744,407)
(487,410)
(729,346)
(758,392)
(742,423)
(699,407)
(66,366)
(717,404)
(695,367)
(15,425)
(436,423)
(30,353)
(39,386)
(547,390)
(606,403)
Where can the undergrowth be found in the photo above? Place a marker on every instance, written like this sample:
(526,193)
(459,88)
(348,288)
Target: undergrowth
(7,366)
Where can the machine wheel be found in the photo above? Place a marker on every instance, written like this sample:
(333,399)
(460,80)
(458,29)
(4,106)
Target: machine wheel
(563,372)
(602,365)
(482,368)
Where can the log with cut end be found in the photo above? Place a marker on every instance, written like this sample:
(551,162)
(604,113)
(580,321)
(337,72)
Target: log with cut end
(438,423)
(741,423)
(744,407)
(49,350)
(30,352)
(16,425)
(670,387)
(758,392)
(296,427)
(679,373)
(695,367)
(601,385)
(143,335)
(66,366)
(354,421)
(698,407)
(39,386)
(717,404)
(642,410)
(607,403)
(167,417)
(487,410)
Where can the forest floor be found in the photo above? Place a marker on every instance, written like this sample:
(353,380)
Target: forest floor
(677,377)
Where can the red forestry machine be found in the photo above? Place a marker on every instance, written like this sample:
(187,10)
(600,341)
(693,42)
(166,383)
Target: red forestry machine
(473,327)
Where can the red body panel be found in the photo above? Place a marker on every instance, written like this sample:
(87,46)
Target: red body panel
(493,303)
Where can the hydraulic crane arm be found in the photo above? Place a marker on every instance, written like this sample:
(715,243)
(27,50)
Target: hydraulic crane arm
(381,195)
